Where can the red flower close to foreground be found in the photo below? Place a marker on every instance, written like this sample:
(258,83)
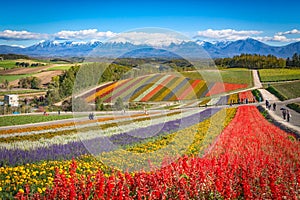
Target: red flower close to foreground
(251,159)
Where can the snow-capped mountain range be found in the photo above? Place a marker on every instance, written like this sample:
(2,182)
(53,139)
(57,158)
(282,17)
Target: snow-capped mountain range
(114,49)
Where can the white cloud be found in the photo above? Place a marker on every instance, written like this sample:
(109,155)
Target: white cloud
(294,31)
(227,34)
(21,35)
(149,38)
(83,34)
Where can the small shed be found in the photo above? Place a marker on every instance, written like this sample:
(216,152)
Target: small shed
(12,100)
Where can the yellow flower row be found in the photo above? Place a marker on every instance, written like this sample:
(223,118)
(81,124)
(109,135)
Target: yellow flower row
(191,140)
(41,175)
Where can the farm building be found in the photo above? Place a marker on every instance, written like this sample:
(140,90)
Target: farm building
(12,100)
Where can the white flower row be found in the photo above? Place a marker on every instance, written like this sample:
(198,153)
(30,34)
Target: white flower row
(213,101)
(87,135)
(77,126)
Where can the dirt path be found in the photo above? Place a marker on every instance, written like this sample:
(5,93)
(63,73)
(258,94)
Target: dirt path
(256,80)
(294,123)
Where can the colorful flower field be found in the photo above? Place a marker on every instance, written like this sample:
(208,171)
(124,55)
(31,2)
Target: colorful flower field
(236,98)
(211,153)
(159,88)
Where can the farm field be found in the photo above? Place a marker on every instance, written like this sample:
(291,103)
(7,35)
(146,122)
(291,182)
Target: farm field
(60,68)
(7,64)
(238,76)
(23,119)
(52,173)
(160,87)
(288,90)
(11,78)
(274,75)
(22,91)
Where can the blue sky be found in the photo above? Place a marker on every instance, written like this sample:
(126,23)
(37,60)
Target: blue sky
(27,22)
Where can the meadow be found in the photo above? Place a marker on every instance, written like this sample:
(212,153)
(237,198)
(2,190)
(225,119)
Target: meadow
(7,64)
(274,75)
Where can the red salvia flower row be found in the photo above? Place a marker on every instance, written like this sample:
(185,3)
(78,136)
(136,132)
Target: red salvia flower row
(251,159)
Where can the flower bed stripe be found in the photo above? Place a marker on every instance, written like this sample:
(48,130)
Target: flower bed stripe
(136,88)
(233,98)
(197,90)
(246,95)
(125,90)
(224,87)
(180,90)
(165,89)
(190,89)
(155,84)
(99,144)
(206,89)
(117,89)
(157,89)
(223,100)
(213,101)
(97,89)
(144,87)
(103,92)
(175,89)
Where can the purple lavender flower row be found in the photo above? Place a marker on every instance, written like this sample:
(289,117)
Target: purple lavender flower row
(101,144)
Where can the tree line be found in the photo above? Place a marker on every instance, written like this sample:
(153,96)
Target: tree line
(26,64)
(251,61)
(14,56)
(294,61)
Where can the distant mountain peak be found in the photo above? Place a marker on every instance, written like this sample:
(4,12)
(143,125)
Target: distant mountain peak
(54,48)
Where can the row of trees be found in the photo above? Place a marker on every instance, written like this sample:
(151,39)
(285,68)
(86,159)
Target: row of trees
(26,64)
(294,61)
(250,61)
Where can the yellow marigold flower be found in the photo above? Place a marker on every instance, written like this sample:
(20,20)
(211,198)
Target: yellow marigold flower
(21,190)
(40,190)
(0,189)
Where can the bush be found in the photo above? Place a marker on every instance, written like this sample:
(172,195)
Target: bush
(257,95)
(294,106)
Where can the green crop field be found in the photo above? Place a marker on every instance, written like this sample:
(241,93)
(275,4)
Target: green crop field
(238,76)
(13,77)
(289,90)
(28,119)
(273,75)
(7,64)
(29,91)
(62,68)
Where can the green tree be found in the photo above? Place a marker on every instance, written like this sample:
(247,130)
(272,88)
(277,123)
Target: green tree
(119,105)
(6,84)
(99,104)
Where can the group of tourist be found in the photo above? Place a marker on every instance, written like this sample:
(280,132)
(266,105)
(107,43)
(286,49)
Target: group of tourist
(286,115)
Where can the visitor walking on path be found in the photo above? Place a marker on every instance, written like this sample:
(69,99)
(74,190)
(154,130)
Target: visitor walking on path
(274,106)
(288,115)
(284,114)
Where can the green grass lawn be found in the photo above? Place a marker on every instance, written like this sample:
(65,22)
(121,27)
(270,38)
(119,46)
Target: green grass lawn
(28,119)
(13,77)
(289,90)
(62,68)
(272,75)
(7,64)
(238,76)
